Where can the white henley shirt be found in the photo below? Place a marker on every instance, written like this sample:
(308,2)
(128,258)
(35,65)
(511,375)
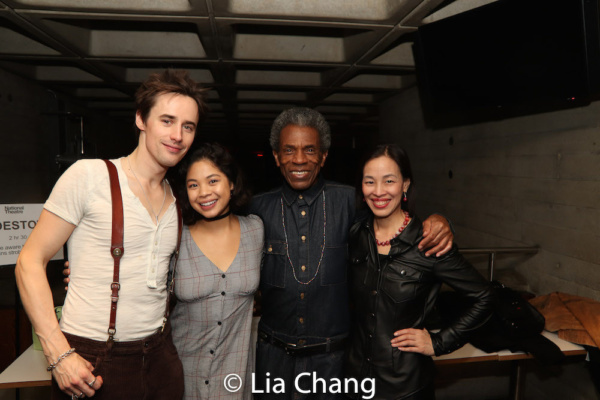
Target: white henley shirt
(82,197)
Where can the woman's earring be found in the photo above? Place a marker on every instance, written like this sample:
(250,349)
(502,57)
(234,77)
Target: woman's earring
(404,199)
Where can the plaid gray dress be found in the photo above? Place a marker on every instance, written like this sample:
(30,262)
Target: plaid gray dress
(213,316)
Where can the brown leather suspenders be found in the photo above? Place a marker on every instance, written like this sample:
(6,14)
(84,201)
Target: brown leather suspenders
(116,246)
(117,249)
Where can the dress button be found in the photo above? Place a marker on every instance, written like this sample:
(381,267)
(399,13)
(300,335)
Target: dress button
(303,268)
(270,249)
(206,382)
(212,352)
(373,315)
(374,292)
(301,296)
(303,213)
(300,197)
(219,323)
(303,238)
(301,320)
(403,272)
(223,276)
(222,293)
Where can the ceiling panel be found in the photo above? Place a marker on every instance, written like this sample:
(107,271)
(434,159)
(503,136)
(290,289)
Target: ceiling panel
(381,11)
(258,57)
(190,7)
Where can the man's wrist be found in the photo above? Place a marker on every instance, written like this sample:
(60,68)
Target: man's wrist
(64,355)
(449,222)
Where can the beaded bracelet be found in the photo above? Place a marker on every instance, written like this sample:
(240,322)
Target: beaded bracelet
(60,358)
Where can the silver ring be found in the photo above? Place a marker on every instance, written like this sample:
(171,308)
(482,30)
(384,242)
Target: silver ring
(74,397)
(91,384)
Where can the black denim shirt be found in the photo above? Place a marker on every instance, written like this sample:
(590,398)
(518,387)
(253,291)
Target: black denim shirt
(305,313)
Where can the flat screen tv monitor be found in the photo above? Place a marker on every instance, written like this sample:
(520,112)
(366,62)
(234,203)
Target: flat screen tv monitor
(508,58)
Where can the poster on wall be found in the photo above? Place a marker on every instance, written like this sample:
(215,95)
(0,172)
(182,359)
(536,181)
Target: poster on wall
(16,223)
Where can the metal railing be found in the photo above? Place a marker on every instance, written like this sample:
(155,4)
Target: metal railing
(492,251)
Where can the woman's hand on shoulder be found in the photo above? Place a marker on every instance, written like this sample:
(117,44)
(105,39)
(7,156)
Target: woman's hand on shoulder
(413,341)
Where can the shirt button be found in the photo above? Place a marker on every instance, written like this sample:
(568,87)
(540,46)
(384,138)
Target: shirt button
(206,382)
(222,293)
(303,238)
(270,249)
(219,323)
(152,270)
(403,272)
(303,213)
(304,268)
(301,320)
(300,197)
(212,352)
(154,256)
(301,296)
(374,292)
(223,276)
(146,344)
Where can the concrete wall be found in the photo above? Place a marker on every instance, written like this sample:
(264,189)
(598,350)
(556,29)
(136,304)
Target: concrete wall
(527,181)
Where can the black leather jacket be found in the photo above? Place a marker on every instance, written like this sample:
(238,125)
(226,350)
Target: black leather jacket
(398,291)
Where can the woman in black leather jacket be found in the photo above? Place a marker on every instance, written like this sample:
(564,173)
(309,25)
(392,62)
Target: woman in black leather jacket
(394,287)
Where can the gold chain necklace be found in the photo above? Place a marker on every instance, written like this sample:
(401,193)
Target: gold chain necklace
(146,196)
(287,244)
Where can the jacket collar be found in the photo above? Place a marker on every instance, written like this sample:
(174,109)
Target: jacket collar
(310,195)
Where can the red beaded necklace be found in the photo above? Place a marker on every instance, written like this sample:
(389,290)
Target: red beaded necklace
(404,224)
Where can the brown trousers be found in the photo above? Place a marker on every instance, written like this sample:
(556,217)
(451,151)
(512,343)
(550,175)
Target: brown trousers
(147,369)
